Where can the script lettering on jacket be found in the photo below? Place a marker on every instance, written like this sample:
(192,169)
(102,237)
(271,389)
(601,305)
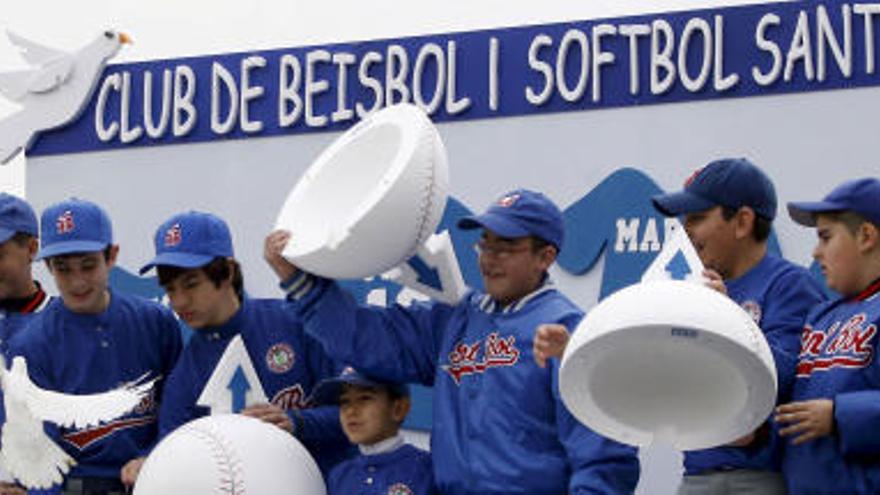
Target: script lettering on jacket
(290,398)
(465,359)
(844,345)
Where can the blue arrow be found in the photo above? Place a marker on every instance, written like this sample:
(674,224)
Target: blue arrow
(427,275)
(678,267)
(239,387)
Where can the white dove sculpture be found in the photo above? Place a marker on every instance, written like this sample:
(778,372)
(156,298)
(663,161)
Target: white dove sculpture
(26,452)
(54,91)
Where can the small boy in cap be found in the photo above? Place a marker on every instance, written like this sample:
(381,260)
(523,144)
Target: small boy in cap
(92,339)
(499,424)
(727,209)
(21,297)
(834,415)
(371,413)
(197,268)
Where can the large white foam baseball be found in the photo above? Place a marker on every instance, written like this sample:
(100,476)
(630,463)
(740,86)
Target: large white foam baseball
(370,199)
(226,454)
(669,358)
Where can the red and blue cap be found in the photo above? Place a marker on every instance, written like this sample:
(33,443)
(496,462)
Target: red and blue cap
(861,196)
(328,391)
(16,216)
(730,182)
(521,213)
(74,226)
(191,240)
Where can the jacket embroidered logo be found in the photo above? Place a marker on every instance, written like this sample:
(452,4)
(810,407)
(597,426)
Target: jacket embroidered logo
(843,345)
(465,358)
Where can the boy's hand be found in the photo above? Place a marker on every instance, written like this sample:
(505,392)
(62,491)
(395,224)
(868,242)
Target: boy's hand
(713,280)
(269,413)
(11,489)
(550,341)
(129,473)
(808,420)
(272,248)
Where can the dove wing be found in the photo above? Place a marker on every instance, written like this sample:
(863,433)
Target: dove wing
(34,53)
(51,75)
(74,411)
(14,84)
(28,454)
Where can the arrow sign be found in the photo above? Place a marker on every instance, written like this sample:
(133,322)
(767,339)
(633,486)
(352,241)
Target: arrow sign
(678,260)
(234,384)
(425,274)
(433,271)
(239,387)
(678,267)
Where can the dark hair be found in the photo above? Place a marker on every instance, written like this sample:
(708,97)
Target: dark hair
(850,219)
(106,252)
(22,238)
(761,228)
(217,270)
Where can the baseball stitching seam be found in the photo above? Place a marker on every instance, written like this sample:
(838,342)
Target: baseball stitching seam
(231,477)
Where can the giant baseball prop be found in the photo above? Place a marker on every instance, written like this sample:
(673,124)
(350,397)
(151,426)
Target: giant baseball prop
(371,199)
(229,454)
(670,361)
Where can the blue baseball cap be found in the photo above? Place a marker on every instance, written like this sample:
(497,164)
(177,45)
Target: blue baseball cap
(74,226)
(327,391)
(16,215)
(861,196)
(730,182)
(191,240)
(521,213)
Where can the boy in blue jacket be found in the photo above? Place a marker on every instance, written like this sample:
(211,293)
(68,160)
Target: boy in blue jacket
(499,423)
(833,420)
(21,297)
(727,209)
(371,413)
(92,339)
(196,266)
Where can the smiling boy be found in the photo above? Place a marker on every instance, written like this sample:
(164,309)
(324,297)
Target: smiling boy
(499,423)
(93,339)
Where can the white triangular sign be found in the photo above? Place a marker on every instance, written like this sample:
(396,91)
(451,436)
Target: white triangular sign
(437,274)
(678,260)
(234,383)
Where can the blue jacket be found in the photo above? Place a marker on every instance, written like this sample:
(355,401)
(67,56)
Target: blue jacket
(403,471)
(778,294)
(288,364)
(13,320)
(838,361)
(499,424)
(84,354)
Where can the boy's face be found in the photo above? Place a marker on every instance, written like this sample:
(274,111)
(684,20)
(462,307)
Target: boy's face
(837,253)
(82,280)
(15,267)
(713,238)
(368,415)
(198,301)
(511,268)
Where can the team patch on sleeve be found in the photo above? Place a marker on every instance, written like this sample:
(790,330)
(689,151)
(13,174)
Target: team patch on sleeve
(399,489)
(280,358)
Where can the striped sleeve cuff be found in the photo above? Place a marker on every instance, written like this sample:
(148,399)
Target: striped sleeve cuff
(298,286)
